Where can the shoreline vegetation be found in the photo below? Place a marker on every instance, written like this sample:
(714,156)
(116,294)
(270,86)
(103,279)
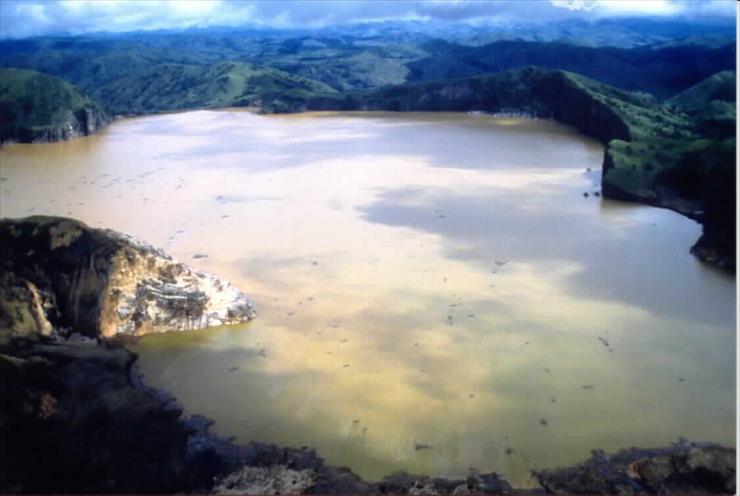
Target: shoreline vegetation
(80,419)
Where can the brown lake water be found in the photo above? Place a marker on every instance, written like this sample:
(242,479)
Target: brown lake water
(434,279)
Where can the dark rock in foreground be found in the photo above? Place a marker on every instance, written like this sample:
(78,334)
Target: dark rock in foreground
(683,468)
(77,419)
(72,422)
(57,272)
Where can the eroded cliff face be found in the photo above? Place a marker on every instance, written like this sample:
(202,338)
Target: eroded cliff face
(68,124)
(22,306)
(37,107)
(98,282)
(530,91)
(83,121)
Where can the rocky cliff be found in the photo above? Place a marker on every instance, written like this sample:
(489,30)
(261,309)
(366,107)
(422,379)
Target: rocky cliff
(60,273)
(683,468)
(36,107)
(531,90)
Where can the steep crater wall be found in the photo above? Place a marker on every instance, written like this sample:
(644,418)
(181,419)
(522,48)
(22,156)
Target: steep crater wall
(101,282)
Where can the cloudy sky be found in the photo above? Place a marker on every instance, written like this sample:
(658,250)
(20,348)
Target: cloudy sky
(22,18)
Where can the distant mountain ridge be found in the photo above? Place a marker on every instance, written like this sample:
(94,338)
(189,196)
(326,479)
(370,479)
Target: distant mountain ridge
(661,58)
(662,72)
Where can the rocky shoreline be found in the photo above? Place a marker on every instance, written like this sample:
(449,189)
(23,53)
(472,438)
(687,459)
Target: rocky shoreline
(81,419)
(60,273)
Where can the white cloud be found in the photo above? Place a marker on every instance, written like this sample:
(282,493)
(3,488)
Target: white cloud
(605,8)
(19,18)
(574,4)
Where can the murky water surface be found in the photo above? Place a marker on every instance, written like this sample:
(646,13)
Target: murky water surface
(421,279)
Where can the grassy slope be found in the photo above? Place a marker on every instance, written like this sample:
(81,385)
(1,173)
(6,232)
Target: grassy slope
(682,156)
(720,86)
(668,138)
(34,104)
(660,134)
(183,86)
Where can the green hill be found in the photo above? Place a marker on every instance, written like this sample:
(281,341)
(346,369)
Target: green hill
(38,107)
(710,104)
(167,87)
(720,87)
